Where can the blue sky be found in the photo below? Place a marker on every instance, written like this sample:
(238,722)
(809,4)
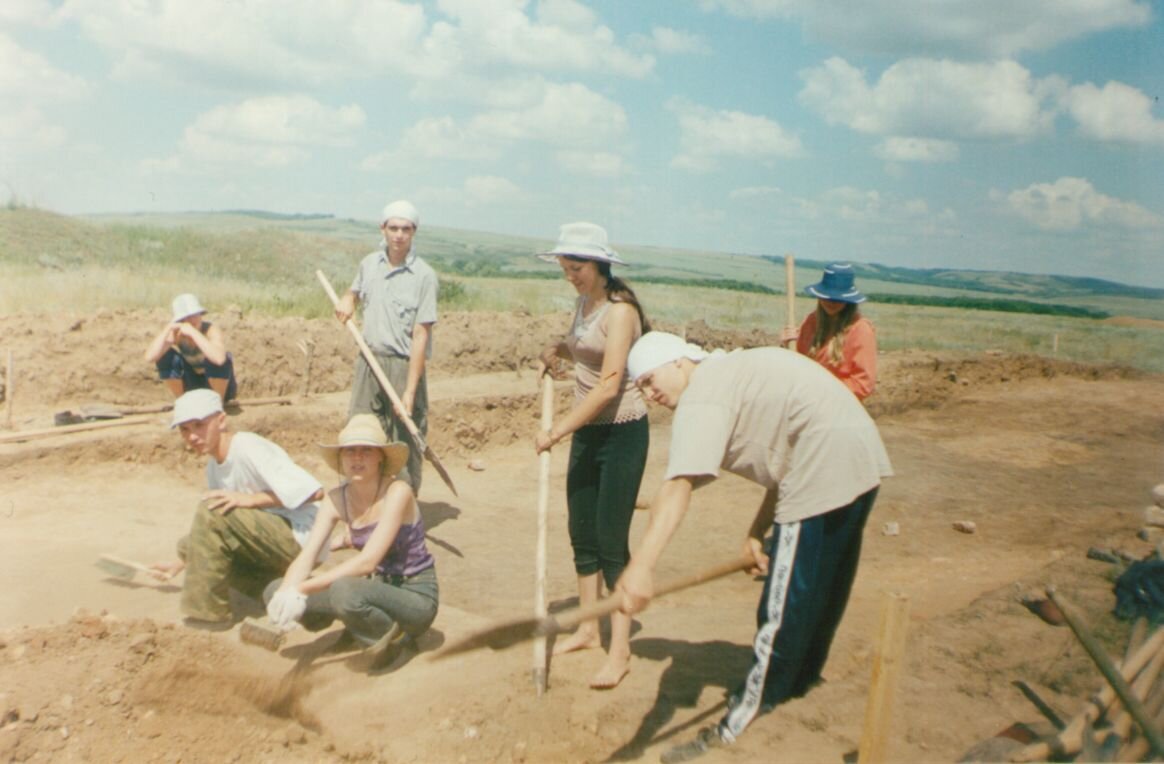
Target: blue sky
(984,134)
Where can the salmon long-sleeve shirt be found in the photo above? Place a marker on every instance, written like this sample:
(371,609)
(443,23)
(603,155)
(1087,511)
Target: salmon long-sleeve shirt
(858,367)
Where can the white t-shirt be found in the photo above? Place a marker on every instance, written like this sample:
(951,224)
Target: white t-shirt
(255,464)
(782,420)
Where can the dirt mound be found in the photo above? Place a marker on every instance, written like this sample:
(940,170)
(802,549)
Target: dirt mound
(163,687)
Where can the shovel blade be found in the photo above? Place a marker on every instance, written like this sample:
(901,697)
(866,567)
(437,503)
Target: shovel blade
(502,635)
(115,569)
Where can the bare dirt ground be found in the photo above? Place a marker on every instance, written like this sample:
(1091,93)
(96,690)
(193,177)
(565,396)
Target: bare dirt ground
(1046,458)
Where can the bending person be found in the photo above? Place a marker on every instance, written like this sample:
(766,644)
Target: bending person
(608,429)
(836,335)
(387,593)
(780,420)
(190,352)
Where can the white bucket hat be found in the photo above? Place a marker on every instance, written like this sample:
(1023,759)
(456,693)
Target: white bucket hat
(186,305)
(585,240)
(366,430)
(195,405)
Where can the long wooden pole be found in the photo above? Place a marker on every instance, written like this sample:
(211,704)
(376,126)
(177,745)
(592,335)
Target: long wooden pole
(886,670)
(9,389)
(540,667)
(790,291)
(386,386)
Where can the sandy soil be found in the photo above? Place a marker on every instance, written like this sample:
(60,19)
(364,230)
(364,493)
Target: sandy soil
(1047,459)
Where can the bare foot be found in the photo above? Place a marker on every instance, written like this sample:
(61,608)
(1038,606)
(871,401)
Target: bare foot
(579,640)
(610,674)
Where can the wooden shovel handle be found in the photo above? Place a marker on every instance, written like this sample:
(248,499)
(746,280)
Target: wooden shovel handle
(572,618)
(373,364)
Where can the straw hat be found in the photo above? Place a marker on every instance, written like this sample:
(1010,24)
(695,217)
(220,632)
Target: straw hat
(365,430)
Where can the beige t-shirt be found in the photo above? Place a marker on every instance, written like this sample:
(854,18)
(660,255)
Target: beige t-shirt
(587,345)
(781,420)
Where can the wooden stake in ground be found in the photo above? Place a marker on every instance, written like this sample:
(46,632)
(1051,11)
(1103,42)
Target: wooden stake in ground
(790,291)
(886,670)
(386,386)
(539,649)
(8,388)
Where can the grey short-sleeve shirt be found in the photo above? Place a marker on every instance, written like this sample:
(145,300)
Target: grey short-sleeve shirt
(395,300)
(781,420)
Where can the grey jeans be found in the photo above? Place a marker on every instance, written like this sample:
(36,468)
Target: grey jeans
(368,607)
(368,398)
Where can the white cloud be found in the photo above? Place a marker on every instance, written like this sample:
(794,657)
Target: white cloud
(955,28)
(26,130)
(936,99)
(565,36)
(1070,203)
(28,76)
(271,131)
(231,43)
(491,190)
(706,136)
(596,164)
(672,42)
(32,12)
(567,116)
(898,148)
(1117,112)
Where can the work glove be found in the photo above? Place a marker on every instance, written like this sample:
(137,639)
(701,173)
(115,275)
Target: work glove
(286,608)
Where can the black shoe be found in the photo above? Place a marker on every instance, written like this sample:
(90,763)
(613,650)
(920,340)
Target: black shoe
(704,741)
(386,649)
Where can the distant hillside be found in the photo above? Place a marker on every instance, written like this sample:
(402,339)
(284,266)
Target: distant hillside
(995,282)
(256,243)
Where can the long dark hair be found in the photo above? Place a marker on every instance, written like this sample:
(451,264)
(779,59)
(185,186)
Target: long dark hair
(830,330)
(617,290)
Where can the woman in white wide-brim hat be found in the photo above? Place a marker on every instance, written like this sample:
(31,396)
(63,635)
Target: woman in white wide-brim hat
(608,429)
(836,335)
(190,352)
(387,593)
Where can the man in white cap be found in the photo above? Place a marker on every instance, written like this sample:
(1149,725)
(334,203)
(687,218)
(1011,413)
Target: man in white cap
(781,420)
(252,521)
(399,293)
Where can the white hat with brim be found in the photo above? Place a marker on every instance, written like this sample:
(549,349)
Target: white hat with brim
(365,430)
(195,405)
(186,305)
(654,349)
(585,240)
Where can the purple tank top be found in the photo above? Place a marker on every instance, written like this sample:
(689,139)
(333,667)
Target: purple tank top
(408,554)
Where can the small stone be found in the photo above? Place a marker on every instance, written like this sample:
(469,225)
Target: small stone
(890,528)
(471,732)
(477,465)
(1154,515)
(65,733)
(67,702)
(114,697)
(1158,494)
(965,526)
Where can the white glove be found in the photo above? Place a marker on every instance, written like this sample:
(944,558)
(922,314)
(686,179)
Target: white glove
(286,607)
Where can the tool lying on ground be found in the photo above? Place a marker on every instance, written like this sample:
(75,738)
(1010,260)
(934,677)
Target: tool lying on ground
(509,633)
(127,569)
(262,633)
(374,365)
(97,412)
